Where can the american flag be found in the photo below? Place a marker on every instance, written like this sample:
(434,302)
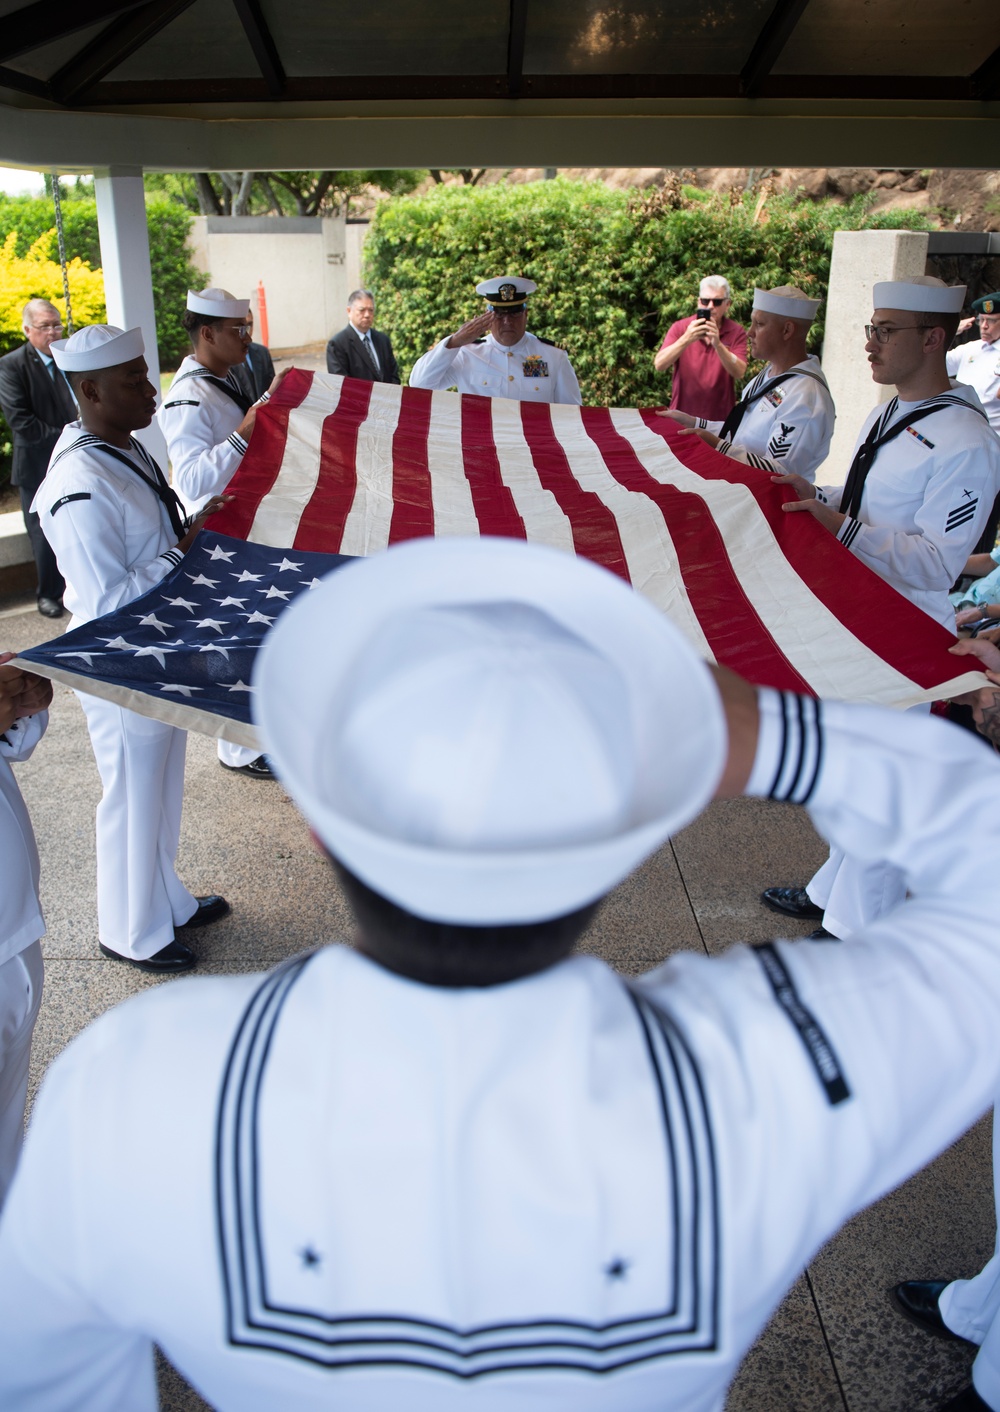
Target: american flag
(184,652)
(338,468)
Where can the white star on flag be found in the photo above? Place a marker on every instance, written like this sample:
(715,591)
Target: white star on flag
(180,603)
(157,652)
(200,578)
(216,623)
(312,583)
(88,657)
(178,686)
(219,553)
(284,565)
(247,577)
(152,621)
(117,642)
(273,592)
(214,647)
(225,602)
(257,618)
(240,686)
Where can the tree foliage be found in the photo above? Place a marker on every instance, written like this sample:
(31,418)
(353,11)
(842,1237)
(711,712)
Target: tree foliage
(30,218)
(614,268)
(278,193)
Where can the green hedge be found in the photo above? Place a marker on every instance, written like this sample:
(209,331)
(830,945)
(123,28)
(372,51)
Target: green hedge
(172,270)
(614,268)
(168,224)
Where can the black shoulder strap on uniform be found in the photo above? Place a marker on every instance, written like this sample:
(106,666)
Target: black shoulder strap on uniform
(223,384)
(156,480)
(756,391)
(881,434)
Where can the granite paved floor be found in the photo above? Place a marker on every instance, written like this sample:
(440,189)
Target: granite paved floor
(834,1344)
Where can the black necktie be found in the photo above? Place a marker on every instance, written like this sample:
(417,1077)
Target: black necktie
(367,341)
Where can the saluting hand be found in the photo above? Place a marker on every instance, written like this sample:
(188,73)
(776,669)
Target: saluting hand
(469,332)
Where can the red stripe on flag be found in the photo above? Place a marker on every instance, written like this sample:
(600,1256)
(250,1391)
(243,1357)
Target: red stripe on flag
(593,525)
(261,466)
(736,634)
(492,501)
(869,608)
(321,527)
(412,502)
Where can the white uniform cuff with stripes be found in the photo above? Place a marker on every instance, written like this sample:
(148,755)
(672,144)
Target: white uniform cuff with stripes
(789,747)
(237,443)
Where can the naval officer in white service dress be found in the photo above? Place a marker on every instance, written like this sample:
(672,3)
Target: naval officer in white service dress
(117,529)
(925,474)
(454,1166)
(495,356)
(207,419)
(784,418)
(978,362)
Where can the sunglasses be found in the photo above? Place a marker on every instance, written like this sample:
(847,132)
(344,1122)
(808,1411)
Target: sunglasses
(706,302)
(498,310)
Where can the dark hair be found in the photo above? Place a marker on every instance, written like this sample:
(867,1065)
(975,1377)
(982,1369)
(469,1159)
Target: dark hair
(949,322)
(193,322)
(358,294)
(445,954)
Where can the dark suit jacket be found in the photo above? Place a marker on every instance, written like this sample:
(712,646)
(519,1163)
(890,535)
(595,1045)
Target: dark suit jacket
(346,356)
(255,376)
(37,407)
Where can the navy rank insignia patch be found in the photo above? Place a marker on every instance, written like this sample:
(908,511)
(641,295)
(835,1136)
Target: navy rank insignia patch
(535,367)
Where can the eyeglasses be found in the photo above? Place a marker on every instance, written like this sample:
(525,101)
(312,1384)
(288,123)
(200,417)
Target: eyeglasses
(244,330)
(706,302)
(47,328)
(881,333)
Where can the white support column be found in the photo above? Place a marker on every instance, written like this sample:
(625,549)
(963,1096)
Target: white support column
(128,281)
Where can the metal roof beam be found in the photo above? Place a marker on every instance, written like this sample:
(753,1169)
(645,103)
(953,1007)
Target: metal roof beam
(515,46)
(769,43)
(42,22)
(112,47)
(261,42)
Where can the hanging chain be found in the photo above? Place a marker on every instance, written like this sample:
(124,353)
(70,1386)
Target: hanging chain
(61,235)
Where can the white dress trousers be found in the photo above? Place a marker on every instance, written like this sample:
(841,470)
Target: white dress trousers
(113,542)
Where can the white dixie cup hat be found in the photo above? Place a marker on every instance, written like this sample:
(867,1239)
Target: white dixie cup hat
(487,732)
(97,346)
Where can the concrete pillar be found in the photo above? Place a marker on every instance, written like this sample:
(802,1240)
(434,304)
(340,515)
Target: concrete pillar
(128,281)
(860,259)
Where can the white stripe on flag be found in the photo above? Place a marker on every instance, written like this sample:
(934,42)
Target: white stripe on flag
(451,494)
(649,550)
(278,514)
(820,648)
(544,521)
(366,529)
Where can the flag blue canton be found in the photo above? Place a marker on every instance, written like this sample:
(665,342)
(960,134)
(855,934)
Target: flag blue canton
(194,637)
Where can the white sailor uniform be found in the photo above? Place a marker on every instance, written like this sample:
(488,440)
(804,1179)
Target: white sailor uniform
(789,424)
(198,418)
(21,927)
(924,505)
(113,541)
(570,1191)
(978,365)
(926,498)
(532,370)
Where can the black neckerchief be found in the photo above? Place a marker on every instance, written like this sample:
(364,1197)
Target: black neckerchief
(223,384)
(758,389)
(881,434)
(156,481)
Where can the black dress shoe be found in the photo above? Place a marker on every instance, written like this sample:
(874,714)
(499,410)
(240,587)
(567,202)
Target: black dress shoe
(968,1400)
(821,934)
(259,769)
(210,909)
(174,958)
(51,607)
(793,901)
(918,1301)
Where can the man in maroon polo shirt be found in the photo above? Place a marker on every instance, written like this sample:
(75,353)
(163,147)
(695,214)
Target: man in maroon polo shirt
(708,353)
